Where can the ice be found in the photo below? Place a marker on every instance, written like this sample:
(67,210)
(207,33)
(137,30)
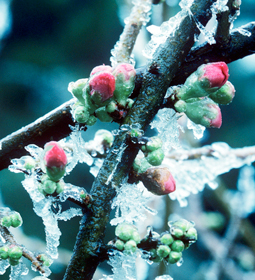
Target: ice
(18,270)
(164,277)
(72,192)
(97,165)
(191,175)
(131,203)
(168,128)
(4,264)
(242,200)
(139,15)
(219,6)
(198,130)
(123,266)
(69,214)
(243,31)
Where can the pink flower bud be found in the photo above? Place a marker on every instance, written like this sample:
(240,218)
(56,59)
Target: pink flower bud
(102,87)
(216,118)
(215,73)
(125,69)
(55,160)
(158,180)
(100,68)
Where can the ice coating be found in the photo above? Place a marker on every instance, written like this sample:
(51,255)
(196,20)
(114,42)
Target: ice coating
(164,277)
(131,203)
(192,175)
(198,130)
(18,271)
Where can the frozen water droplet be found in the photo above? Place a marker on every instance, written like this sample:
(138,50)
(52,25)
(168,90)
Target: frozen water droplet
(198,130)
(180,262)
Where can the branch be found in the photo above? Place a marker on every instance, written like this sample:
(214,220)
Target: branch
(116,166)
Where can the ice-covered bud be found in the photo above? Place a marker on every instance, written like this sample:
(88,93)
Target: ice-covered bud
(119,244)
(76,88)
(156,157)
(102,115)
(60,186)
(104,137)
(191,234)
(81,114)
(102,86)
(177,232)
(174,257)
(163,251)
(237,4)
(224,95)
(124,231)
(6,221)
(213,75)
(29,162)
(16,219)
(130,246)
(55,160)
(203,111)
(153,144)
(100,68)
(15,252)
(177,246)
(49,186)
(4,252)
(158,180)
(125,81)
(183,224)
(44,259)
(167,239)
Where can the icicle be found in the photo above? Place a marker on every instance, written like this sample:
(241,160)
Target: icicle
(17,271)
(198,130)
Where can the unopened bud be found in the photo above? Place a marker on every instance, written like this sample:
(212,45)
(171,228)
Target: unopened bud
(167,239)
(224,95)
(163,251)
(16,220)
(174,257)
(124,231)
(101,68)
(76,88)
(155,157)
(4,252)
(130,246)
(153,144)
(119,244)
(177,246)
(15,252)
(6,221)
(81,114)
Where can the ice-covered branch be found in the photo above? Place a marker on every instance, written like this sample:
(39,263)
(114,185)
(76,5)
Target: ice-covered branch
(160,71)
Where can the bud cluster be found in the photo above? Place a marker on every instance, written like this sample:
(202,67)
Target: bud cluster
(202,92)
(10,218)
(11,252)
(44,259)
(127,238)
(104,95)
(170,245)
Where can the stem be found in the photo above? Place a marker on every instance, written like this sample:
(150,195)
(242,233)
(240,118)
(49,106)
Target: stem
(116,166)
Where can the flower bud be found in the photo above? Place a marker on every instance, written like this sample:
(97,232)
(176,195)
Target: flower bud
(130,246)
(102,115)
(158,180)
(156,157)
(153,144)
(49,186)
(183,224)
(174,257)
(177,246)
(125,82)
(163,251)
(204,111)
(16,220)
(15,252)
(224,95)
(6,221)
(4,252)
(102,86)
(124,231)
(55,160)
(60,186)
(80,114)
(76,88)
(44,259)
(119,244)
(29,162)
(176,232)
(104,137)
(167,239)
(136,236)
(101,68)
(191,234)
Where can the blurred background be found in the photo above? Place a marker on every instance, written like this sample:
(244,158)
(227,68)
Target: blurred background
(46,44)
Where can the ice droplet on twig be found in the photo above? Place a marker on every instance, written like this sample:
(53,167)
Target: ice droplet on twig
(198,130)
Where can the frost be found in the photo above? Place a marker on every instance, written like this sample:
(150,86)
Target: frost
(243,31)
(97,165)
(219,6)
(164,277)
(131,203)
(17,271)
(198,130)
(191,175)
(168,128)
(139,15)
(123,266)
(242,200)
(4,264)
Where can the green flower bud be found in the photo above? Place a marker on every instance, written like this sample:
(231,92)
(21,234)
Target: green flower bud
(174,257)
(119,244)
(104,136)
(111,107)
(156,157)
(130,246)
(102,115)
(124,231)
(16,220)
(177,232)
(183,224)
(136,236)
(13,262)
(177,246)
(4,252)
(163,251)
(153,144)
(224,95)
(76,88)
(91,121)
(167,239)
(6,221)
(191,234)
(81,114)
(49,187)
(60,186)
(15,252)
(45,259)
(180,106)
(29,162)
